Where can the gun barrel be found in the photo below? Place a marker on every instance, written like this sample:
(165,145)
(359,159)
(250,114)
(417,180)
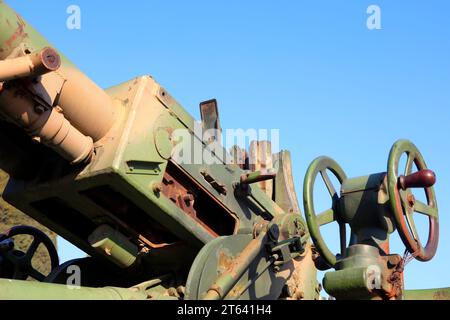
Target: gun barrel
(42,92)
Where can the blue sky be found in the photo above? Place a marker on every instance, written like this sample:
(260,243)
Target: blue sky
(309,68)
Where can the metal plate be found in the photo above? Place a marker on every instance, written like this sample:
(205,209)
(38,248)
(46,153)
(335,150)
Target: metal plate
(217,255)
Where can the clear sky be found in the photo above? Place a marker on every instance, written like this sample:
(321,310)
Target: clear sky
(309,68)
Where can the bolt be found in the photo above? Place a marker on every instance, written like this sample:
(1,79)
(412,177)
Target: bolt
(411,200)
(157,187)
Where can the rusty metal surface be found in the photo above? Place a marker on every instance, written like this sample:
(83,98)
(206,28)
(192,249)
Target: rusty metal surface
(210,120)
(17,35)
(183,198)
(261,159)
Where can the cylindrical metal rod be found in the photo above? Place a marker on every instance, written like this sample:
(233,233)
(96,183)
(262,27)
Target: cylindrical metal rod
(258,176)
(227,280)
(27,290)
(30,65)
(269,263)
(83,103)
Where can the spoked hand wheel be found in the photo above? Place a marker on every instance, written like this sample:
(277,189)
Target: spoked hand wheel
(22,261)
(321,165)
(403,203)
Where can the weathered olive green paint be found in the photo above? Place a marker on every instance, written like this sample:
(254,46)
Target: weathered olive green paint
(364,205)
(210,270)
(114,246)
(321,165)
(401,207)
(362,274)
(427,294)
(128,198)
(26,290)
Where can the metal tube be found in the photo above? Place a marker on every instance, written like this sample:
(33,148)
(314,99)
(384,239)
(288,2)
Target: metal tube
(31,65)
(48,124)
(83,103)
(27,290)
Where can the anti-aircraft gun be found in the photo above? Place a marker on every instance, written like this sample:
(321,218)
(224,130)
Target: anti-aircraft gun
(116,173)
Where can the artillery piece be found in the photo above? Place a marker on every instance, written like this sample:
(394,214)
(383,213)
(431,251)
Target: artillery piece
(102,169)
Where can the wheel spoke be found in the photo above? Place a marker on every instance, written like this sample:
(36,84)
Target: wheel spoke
(409,164)
(325,217)
(404,200)
(36,274)
(328,183)
(33,247)
(412,226)
(425,209)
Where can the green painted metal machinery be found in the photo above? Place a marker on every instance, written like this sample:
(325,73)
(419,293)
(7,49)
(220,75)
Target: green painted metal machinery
(163,211)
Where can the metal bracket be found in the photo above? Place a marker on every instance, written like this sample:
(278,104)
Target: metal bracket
(209,112)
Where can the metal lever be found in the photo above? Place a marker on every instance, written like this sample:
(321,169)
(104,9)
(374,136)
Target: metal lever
(420,179)
(258,176)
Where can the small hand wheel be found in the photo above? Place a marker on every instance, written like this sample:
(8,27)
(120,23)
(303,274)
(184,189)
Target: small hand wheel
(403,203)
(321,165)
(21,261)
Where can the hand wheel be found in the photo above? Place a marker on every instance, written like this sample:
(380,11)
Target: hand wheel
(403,203)
(22,260)
(321,165)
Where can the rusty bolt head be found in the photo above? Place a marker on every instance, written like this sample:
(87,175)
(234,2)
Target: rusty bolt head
(157,187)
(50,58)
(411,200)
